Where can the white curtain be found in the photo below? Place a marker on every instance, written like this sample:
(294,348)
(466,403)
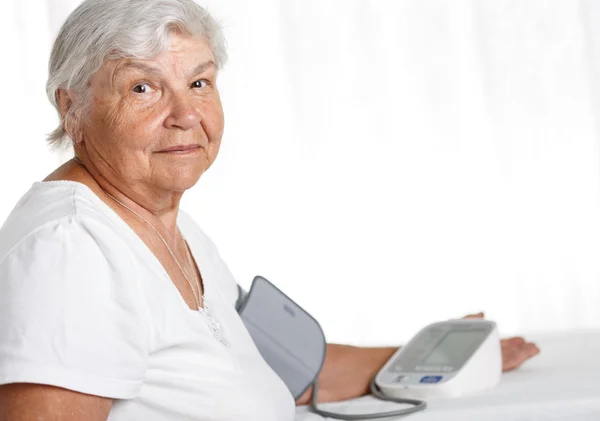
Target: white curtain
(385,163)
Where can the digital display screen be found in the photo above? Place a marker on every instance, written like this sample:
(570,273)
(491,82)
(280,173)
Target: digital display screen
(455,348)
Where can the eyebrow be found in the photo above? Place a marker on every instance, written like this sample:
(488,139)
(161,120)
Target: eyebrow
(202,67)
(156,72)
(139,66)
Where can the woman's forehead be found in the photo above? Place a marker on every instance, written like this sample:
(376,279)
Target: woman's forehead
(187,44)
(184,54)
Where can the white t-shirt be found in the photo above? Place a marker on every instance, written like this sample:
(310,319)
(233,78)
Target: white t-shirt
(85,305)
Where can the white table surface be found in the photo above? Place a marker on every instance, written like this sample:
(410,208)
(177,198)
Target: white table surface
(561,383)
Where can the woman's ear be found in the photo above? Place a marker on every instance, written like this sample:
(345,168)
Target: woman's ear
(64,102)
(69,115)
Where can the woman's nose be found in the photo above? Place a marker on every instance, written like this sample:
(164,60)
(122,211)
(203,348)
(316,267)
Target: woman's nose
(184,113)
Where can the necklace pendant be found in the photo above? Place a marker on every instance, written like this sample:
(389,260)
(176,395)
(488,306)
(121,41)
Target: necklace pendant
(215,327)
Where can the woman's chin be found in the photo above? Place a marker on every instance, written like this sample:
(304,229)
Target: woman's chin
(180,173)
(180,182)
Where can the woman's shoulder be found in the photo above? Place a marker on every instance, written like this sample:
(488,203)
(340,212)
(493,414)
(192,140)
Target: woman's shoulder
(49,208)
(71,311)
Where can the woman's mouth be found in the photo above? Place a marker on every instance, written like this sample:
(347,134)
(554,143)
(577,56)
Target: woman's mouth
(181,149)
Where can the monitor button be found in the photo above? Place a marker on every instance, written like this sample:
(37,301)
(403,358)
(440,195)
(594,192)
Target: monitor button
(431,379)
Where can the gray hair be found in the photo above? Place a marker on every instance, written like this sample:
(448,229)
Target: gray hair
(100,30)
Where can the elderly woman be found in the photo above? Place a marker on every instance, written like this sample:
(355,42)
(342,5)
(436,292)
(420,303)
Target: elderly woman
(113,303)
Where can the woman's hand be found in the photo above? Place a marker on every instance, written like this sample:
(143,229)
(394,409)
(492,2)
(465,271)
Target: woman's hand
(515,351)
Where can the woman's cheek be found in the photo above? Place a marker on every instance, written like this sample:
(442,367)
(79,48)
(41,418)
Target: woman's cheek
(216,118)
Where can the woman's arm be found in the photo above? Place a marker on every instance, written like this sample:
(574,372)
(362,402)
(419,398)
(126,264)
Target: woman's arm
(347,372)
(24,402)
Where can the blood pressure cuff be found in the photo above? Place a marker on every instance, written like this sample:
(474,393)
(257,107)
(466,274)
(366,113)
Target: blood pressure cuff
(289,339)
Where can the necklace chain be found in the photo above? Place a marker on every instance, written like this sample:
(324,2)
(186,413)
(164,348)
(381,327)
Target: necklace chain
(196,295)
(183,272)
(213,323)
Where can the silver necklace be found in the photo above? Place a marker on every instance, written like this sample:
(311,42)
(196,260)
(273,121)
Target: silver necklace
(213,323)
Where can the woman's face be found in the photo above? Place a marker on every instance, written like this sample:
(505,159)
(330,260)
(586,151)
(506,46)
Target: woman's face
(156,122)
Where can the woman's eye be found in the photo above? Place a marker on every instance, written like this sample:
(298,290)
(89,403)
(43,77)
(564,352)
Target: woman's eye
(142,88)
(200,83)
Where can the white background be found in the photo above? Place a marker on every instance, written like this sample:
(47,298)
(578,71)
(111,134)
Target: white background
(385,163)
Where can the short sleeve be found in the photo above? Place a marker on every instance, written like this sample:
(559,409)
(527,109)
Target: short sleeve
(71,315)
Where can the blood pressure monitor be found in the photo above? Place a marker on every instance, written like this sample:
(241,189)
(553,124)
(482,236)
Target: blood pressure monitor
(444,359)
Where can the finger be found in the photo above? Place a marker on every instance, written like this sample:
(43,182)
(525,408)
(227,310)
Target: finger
(516,341)
(513,358)
(531,349)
